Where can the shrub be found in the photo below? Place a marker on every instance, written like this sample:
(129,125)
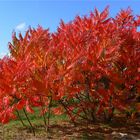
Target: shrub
(88,68)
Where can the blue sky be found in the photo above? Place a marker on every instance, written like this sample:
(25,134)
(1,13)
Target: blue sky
(18,15)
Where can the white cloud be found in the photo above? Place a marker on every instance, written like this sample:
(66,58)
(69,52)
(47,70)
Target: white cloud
(21,26)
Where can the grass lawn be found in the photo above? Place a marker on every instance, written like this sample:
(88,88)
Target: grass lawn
(15,129)
(62,129)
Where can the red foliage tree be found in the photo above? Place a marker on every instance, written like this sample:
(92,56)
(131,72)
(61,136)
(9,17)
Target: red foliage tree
(89,66)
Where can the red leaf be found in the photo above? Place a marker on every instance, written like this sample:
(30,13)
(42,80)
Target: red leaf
(28,108)
(57,111)
(20,105)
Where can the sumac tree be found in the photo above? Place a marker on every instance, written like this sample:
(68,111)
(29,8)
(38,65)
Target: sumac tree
(89,68)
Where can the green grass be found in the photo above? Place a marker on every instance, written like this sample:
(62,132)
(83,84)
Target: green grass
(60,129)
(15,127)
(36,118)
